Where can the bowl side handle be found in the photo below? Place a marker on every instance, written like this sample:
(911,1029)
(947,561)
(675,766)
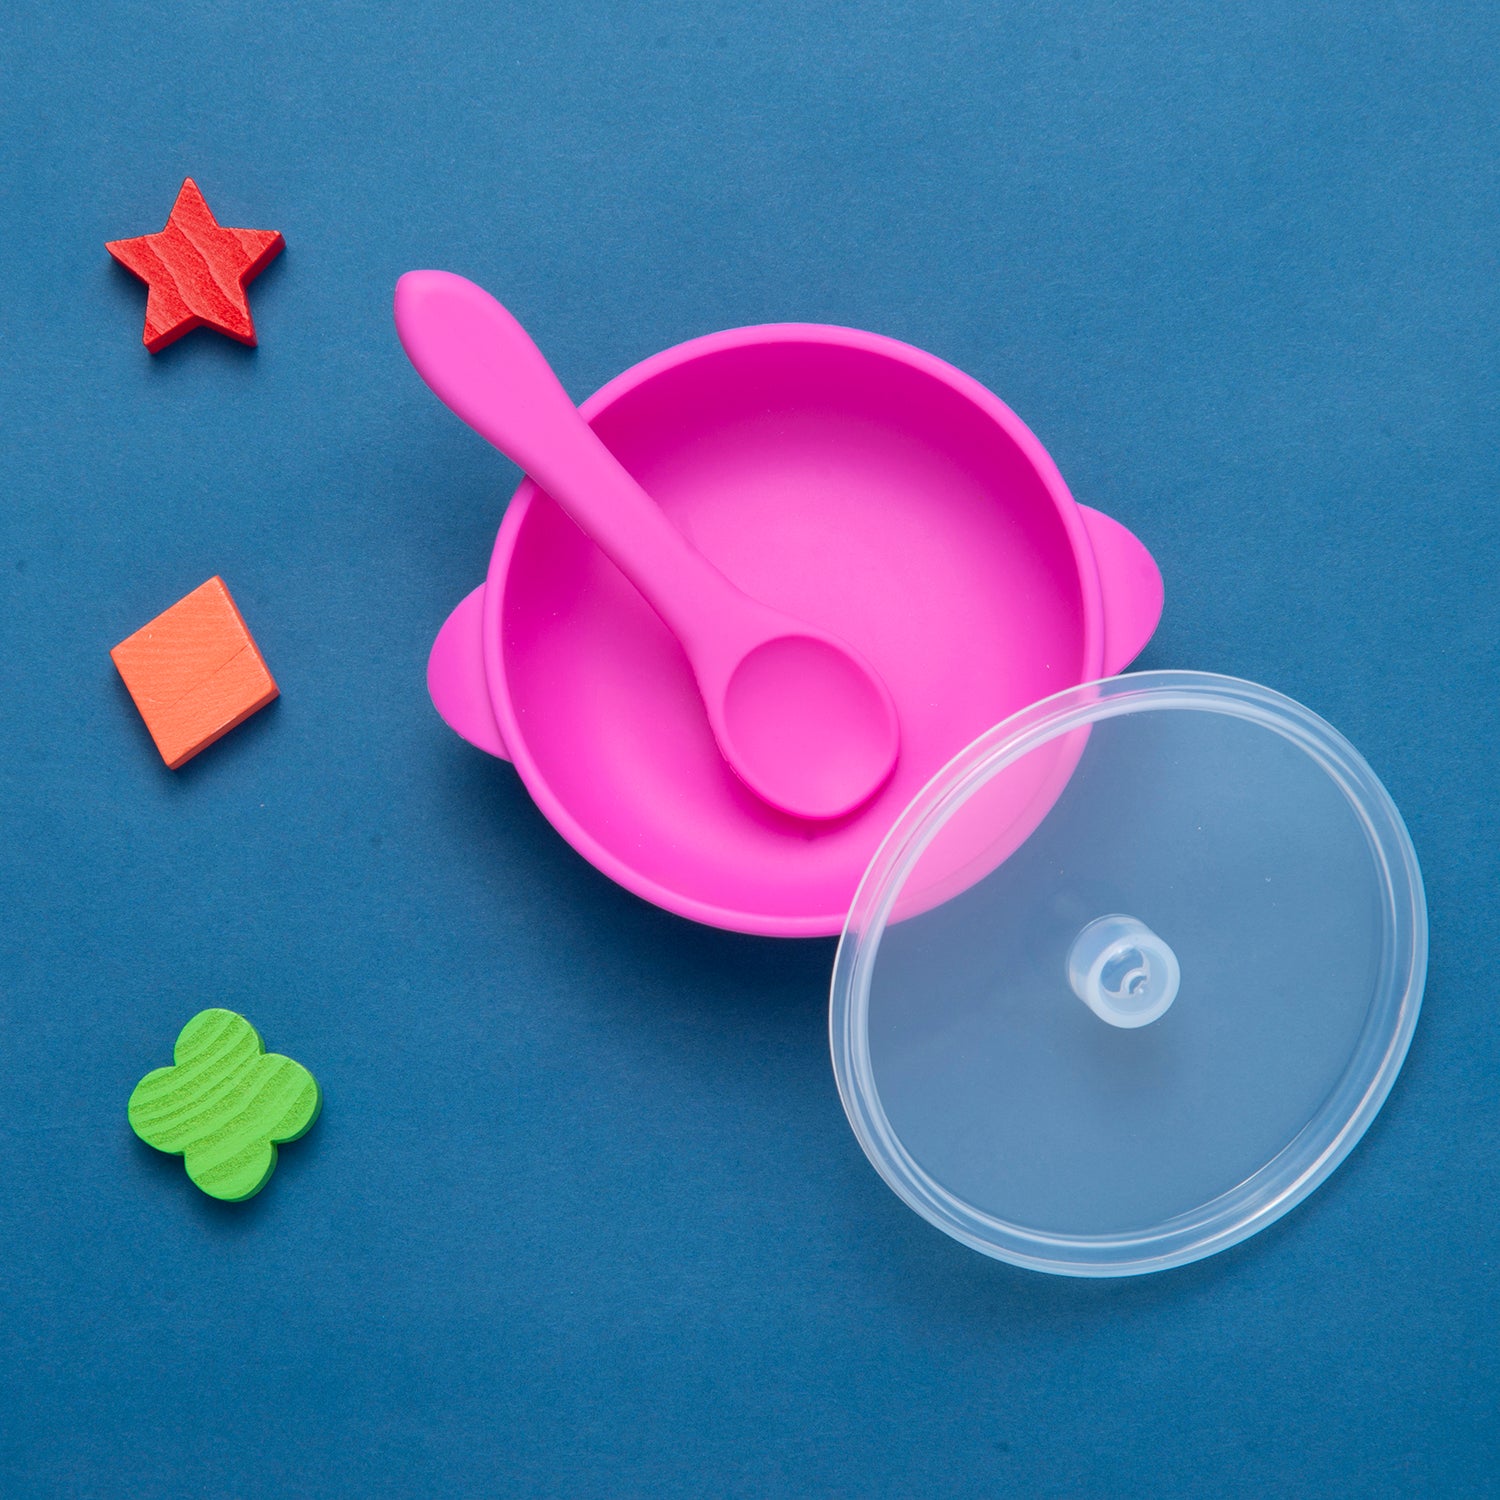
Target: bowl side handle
(1131,584)
(456,680)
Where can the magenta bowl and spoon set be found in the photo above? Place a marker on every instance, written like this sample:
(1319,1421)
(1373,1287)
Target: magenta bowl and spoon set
(797,630)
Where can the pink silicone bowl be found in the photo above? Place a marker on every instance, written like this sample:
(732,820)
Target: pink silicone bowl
(850,480)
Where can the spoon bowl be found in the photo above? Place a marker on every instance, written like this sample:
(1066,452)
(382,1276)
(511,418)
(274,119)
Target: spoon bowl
(806,726)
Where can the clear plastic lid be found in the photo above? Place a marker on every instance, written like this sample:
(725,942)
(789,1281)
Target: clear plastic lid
(1130,976)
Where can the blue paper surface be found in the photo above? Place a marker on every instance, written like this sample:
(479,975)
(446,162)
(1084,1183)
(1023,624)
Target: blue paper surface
(582,1216)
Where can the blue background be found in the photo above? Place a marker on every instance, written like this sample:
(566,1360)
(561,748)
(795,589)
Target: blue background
(582,1215)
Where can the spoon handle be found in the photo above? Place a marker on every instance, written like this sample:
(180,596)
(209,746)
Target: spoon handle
(483,366)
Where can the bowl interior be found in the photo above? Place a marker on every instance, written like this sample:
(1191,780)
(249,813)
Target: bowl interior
(853,486)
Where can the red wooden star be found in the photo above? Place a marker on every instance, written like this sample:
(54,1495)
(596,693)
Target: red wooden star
(197,270)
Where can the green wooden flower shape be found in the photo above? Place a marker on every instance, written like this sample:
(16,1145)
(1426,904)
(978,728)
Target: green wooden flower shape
(225,1104)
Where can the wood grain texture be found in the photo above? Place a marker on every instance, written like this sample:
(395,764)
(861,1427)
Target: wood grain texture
(197,270)
(194,672)
(225,1104)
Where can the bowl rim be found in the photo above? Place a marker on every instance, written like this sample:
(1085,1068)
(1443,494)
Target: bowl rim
(554,809)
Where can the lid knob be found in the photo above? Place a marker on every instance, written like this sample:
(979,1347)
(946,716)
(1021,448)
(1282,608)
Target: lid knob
(1122,971)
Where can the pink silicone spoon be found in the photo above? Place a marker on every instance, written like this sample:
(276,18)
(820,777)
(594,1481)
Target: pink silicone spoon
(800,716)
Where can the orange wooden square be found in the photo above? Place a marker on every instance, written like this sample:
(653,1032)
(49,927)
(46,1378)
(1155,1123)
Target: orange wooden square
(194,672)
